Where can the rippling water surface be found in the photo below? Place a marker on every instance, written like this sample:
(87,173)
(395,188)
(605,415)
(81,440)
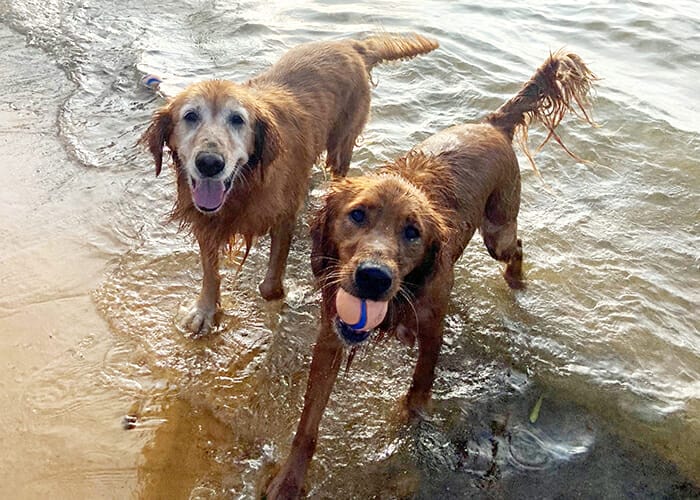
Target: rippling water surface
(606,335)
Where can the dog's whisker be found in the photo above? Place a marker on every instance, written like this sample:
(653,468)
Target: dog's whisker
(332,277)
(241,175)
(406,294)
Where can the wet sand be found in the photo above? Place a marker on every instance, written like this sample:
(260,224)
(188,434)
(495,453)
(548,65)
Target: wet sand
(55,430)
(57,419)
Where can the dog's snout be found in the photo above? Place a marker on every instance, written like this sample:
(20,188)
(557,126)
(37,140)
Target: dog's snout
(372,280)
(209,164)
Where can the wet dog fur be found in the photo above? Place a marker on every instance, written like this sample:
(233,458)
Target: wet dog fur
(410,222)
(243,153)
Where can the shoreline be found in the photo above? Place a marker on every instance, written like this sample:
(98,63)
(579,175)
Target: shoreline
(55,428)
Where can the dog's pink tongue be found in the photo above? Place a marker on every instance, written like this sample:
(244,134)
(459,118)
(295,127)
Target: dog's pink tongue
(208,194)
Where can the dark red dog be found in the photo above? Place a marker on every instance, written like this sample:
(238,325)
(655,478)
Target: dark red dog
(389,241)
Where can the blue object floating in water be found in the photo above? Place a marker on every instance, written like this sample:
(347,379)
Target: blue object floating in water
(151,81)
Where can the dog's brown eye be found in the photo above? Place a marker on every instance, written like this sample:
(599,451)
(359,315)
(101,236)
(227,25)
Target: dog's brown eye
(191,117)
(236,120)
(358,216)
(411,232)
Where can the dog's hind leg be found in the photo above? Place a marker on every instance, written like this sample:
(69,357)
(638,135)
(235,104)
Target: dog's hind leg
(342,138)
(280,242)
(499,229)
(503,245)
(338,160)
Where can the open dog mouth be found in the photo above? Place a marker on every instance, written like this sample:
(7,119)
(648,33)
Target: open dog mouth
(208,194)
(357,318)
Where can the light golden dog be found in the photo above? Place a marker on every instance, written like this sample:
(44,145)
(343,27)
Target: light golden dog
(394,237)
(243,152)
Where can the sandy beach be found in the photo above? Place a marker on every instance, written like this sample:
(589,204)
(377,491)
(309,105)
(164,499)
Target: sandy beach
(54,417)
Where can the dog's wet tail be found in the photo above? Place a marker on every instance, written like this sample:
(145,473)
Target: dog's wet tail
(381,48)
(562,81)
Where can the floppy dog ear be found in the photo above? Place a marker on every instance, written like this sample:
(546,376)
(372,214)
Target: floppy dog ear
(433,258)
(156,135)
(266,142)
(324,251)
(422,273)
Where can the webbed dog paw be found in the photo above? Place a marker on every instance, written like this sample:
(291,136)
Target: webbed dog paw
(199,320)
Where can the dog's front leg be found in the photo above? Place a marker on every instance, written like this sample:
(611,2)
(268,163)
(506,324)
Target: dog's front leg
(200,317)
(429,342)
(280,242)
(327,356)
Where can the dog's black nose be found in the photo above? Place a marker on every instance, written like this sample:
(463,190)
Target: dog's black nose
(372,280)
(209,164)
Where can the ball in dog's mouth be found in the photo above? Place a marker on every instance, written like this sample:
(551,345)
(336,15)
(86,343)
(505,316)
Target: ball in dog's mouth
(209,194)
(357,318)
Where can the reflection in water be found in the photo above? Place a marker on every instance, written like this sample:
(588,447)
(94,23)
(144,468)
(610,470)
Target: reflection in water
(187,454)
(233,399)
(607,330)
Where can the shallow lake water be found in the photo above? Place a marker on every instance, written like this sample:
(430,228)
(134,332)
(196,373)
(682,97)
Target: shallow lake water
(103,397)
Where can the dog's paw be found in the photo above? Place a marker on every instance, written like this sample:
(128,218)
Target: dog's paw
(283,487)
(417,405)
(271,290)
(515,280)
(198,320)
(281,481)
